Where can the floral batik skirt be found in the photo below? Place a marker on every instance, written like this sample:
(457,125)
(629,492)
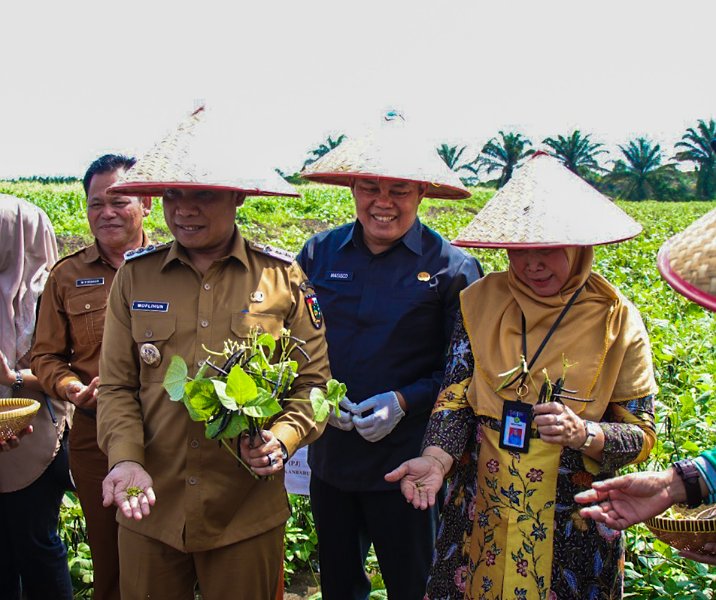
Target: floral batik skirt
(510,529)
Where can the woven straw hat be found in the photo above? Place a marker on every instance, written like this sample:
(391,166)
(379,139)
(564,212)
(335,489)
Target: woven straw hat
(545,204)
(392,151)
(201,153)
(688,261)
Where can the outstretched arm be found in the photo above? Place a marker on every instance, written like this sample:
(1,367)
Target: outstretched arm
(129,487)
(421,478)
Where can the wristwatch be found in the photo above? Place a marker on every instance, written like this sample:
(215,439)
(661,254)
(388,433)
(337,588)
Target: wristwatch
(690,476)
(591,428)
(19,381)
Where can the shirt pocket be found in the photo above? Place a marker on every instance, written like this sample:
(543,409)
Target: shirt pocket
(243,322)
(416,308)
(157,330)
(86,313)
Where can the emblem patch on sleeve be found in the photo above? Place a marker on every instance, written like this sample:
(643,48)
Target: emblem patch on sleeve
(314,310)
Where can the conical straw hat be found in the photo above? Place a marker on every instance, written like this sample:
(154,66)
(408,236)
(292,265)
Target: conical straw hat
(202,153)
(688,261)
(545,204)
(392,151)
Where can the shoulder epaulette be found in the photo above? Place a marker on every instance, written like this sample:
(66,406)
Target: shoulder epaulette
(144,251)
(274,252)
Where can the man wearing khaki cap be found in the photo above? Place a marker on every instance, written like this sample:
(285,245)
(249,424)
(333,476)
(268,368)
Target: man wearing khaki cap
(198,516)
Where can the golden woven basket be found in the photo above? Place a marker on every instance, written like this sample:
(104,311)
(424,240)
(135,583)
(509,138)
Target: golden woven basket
(15,415)
(690,530)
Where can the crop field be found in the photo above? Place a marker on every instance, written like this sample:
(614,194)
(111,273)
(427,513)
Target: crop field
(682,336)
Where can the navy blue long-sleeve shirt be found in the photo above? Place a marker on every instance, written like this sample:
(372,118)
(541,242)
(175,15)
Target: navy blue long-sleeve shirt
(388,319)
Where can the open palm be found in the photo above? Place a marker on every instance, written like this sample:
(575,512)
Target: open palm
(420,480)
(626,500)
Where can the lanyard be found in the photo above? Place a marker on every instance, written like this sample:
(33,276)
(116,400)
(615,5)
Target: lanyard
(522,376)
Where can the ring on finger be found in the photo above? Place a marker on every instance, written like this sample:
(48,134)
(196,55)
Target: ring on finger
(272,460)
(558,420)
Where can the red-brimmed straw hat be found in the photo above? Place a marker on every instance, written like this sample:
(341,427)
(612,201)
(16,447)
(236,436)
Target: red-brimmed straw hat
(392,151)
(546,204)
(688,261)
(202,152)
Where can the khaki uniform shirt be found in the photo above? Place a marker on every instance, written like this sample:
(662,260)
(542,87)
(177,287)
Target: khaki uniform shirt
(205,499)
(71,320)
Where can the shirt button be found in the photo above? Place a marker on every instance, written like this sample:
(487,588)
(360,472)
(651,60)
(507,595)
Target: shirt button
(193,480)
(194,444)
(148,333)
(205,323)
(207,286)
(87,307)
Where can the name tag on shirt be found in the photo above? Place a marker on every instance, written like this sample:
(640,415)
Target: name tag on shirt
(340,276)
(88,282)
(150,306)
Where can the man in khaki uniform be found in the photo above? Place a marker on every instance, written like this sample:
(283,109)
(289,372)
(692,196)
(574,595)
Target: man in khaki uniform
(65,355)
(200,516)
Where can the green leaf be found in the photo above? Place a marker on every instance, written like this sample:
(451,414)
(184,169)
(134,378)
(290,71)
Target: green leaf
(690,447)
(323,403)
(226,400)
(320,405)
(175,378)
(263,405)
(212,429)
(335,391)
(201,399)
(238,424)
(240,386)
(266,339)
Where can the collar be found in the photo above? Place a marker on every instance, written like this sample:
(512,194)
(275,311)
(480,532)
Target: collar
(177,252)
(94,253)
(412,239)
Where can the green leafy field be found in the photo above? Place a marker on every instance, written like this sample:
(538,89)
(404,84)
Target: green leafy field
(682,337)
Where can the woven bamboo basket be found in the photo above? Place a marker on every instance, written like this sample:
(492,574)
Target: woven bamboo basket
(15,415)
(686,529)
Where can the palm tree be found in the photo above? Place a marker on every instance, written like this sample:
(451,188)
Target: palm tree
(577,152)
(642,175)
(697,149)
(451,155)
(504,154)
(323,149)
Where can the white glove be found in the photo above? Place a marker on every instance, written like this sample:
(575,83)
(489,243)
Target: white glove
(343,422)
(386,415)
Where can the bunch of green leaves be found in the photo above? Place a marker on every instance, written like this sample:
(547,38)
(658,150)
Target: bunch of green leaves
(247,390)
(300,540)
(73,533)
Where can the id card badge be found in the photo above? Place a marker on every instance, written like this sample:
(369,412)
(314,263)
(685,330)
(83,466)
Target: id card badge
(516,426)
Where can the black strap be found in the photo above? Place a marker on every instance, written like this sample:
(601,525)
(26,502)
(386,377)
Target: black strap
(48,403)
(521,376)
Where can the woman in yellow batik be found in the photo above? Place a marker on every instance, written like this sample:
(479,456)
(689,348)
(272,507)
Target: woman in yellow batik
(549,385)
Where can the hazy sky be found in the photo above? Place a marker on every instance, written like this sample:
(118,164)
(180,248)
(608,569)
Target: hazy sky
(83,78)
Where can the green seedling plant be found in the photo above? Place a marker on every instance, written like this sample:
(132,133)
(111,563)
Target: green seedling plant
(239,389)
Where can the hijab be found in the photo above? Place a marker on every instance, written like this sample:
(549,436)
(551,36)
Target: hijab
(601,338)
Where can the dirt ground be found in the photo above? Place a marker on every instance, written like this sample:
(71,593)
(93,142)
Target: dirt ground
(303,585)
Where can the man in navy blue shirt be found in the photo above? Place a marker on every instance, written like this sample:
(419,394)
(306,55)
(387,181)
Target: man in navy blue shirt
(388,287)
